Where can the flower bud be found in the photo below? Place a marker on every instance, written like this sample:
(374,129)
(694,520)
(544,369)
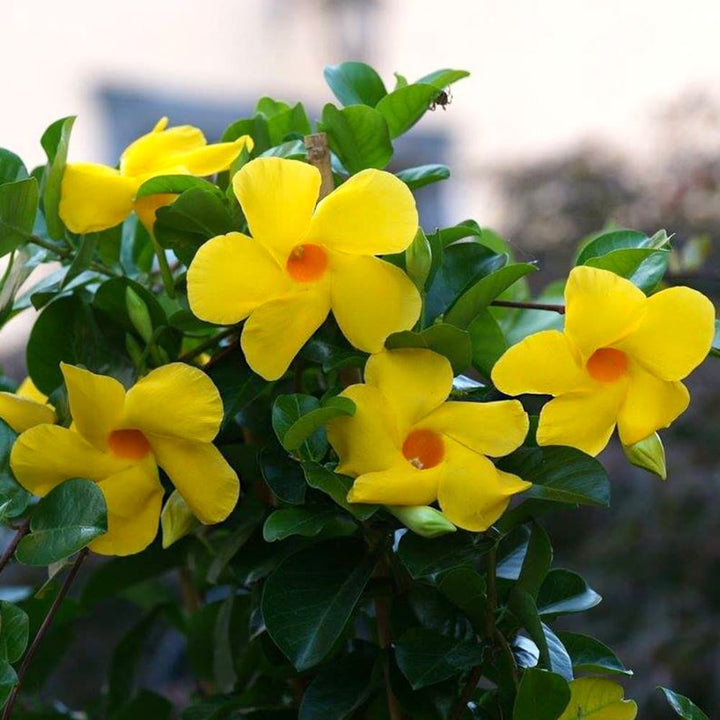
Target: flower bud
(648,454)
(139,314)
(176,519)
(133,349)
(422,520)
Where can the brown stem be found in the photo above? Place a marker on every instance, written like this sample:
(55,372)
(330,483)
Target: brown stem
(467,693)
(318,154)
(560,309)
(47,622)
(22,531)
(382,615)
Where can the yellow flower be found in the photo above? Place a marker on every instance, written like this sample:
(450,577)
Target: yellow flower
(304,261)
(118,439)
(406,446)
(25,408)
(96,197)
(619,361)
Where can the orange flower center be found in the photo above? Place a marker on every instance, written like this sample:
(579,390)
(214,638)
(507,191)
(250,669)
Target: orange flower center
(307,263)
(607,364)
(423,448)
(130,444)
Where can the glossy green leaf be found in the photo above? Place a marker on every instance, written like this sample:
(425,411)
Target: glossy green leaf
(644,268)
(424,557)
(8,680)
(488,342)
(283,475)
(403,107)
(683,707)
(287,412)
(18,207)
(12,167)
(598,699)
(237,383)
(14,629)
(418,259)
(330,578)
(359,136)
(66,520)
(611,241)
(590,655)
(537,561)
(465,587)
(355,83)
(443,78)
(176,185)
(542,695)
(289,123)
(442,338)
(337,487)
(55,142)
(296,433)
(417,177)
(256,128)
(305,521)
(564,592)
(14,499)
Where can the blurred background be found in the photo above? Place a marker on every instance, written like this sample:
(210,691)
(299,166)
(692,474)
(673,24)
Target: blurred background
(577,114)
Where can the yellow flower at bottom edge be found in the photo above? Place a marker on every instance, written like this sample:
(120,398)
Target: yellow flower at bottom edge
(25,408)
(96,197)
(406,445)
(168,418)
(619,361)
(304,261)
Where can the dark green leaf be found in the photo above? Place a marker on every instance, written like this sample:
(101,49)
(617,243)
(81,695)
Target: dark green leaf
(422,175)
(13,632)
(329,579)
(561,474)
(287,411)
(337,487)
(237,383)
(542,695)
(643,267)
(465,588)
(683,707)
(488,342)
(8,680)
(146,706)
(305,521)
(536,562)
(176,185)
(359,136)
(424,557)
(590,655)
(403,107)
(442,338)
(288,123)
(443,78)
(66,520)
(563,592)
(83,257)
(355,83)
(55,142)
(607,242)
(14,499)
(283,475)
(18,207)
(307,424)
(12,167)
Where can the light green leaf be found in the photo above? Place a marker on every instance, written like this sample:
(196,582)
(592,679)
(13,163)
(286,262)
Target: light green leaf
(176,185)
(55,142)
(355,83)
(598,699)
(488,342)
(418,260)
(337,487)
(443,78)
(403,107)
(684,707)
(18,207)
(12,167)
(176,520)
(422,175)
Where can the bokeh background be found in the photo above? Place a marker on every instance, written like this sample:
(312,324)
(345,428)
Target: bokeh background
(578,114)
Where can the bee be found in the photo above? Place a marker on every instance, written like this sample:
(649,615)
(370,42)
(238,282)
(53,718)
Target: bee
(442,99)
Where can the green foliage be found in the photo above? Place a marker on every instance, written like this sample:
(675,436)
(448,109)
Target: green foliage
(683,707)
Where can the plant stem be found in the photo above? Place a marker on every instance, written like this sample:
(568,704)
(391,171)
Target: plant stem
(64,253)
(22,531)
(318,154)
(207,345)
(560,309)
(47,622)
(165,271)
(382,615)
(467,693)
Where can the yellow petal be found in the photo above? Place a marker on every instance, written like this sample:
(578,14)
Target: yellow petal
(201,475)
(278,197)
(593,698)
(230,276)
(175,401)
(601,308)
(212,159)
(21,413)
(372,213)
(675,334)
(276,331)
(651,404)
(473,493)
(371,299)
(582,420)
(367,441)
(133,498)
(28,391)
(415,382)
(492,428)
(46,455)
(399,485)
(96,403)
(545,363)
(94,197)
(146,208)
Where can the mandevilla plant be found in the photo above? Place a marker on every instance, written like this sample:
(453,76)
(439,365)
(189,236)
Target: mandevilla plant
(302,427)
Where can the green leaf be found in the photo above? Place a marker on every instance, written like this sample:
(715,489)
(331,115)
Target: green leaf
(422,175)
(447,340)
(338,689)
(12,167)
(84,254)
(483,292)
(256,128)
(330,578)
(146,705)
(18,207)
(425,557)
(308,438)
(488,342)
(359,136)
(283,475)
(608,242)
(536,562)
(14,499)
(443,78)
(302,428)
(176,519)
(289,123)
(418,259)
(176,185)
(66,520)
(403,107)
(237,383)
(305,521)
(355,83)
(55,141)
(563,592)
(8,680)
(644,268)
(560,474)
(14,629)
(426,657)
(542,695)
(337,487)
(598,699)
(465,588)
(590,655)
(683,707)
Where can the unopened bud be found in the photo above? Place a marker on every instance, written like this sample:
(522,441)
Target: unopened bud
(422,520)
(133,350)
(177,519)
(648,454)
(139,314)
